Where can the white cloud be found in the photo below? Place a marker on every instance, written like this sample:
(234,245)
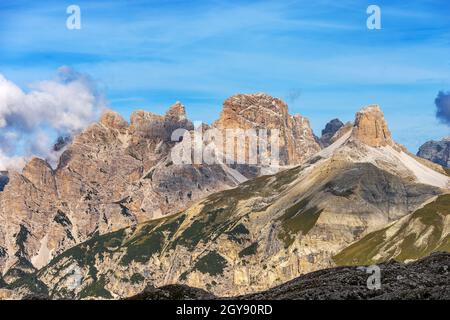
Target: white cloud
(15,163)
(28,120)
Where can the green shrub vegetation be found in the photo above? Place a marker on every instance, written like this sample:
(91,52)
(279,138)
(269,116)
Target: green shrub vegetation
(249,251)
(137,278)
(238,233)
(297,219)
(96,289)
(150,239)
(432,216)
(211,263)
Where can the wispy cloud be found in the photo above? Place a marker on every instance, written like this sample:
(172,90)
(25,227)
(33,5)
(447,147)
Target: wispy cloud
(29,120)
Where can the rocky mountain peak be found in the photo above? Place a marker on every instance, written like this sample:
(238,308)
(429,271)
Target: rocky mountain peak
(113,120)
(112,176)
(348,126)
(176,112)
(141,115)
(250,110)
(371,127)
(329,131)
(40,174)
(36,165)
(258,234)
(436,151)
(261,111)
(333,126)
(157,126)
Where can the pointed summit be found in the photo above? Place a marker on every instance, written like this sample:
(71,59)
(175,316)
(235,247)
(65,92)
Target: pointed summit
(113,120)
(330,130)
(176,112)
(371,128)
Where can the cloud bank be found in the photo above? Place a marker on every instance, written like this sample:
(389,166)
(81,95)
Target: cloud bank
(31,120)
(442,102)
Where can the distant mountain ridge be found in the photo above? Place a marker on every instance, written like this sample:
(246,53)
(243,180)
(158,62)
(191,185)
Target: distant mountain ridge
(329,131)
(436,151)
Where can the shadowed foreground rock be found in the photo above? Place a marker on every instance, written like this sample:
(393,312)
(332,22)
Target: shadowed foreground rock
(173,292)
(424,279)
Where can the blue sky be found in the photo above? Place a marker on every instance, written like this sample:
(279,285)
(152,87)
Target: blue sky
(318,56)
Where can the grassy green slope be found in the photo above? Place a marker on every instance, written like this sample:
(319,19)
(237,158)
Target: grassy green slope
(408,239)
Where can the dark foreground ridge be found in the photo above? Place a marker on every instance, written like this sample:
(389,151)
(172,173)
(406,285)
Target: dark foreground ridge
(424,279)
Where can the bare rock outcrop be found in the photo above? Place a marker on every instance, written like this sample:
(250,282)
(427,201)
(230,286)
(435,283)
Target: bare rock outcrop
(329,131)
(271,229)
(261,111)
(371,128)
(116,174)
(426,279)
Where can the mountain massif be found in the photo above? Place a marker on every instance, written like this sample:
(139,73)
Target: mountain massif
(117,174)
(436,151)
(122,217)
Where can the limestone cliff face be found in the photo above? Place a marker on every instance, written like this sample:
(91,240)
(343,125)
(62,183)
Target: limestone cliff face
(371,128)
(261,111)
(266,231)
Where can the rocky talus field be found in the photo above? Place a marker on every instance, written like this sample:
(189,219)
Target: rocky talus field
(117,218)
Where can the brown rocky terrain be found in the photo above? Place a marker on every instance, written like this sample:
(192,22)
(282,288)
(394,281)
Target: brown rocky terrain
(371,129)
(426,279)
(117,174)
(255,111)
(267,230)
(113,175)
